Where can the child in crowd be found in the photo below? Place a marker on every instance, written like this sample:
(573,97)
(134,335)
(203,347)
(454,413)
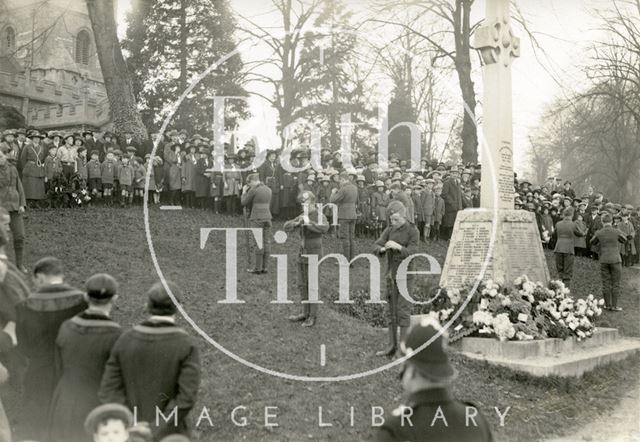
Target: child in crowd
(81,168)
(139,175)
(52,168)
(125,179)
(107,176)
(94,174)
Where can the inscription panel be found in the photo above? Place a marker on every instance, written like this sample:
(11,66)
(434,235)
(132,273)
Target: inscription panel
(523,254)
(469,247)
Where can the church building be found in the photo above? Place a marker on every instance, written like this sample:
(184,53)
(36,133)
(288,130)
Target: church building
(49,69)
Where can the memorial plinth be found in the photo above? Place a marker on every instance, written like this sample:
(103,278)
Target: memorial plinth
(516,249)
(553,357)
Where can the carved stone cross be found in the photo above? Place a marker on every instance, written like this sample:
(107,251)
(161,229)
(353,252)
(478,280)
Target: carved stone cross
(498,47)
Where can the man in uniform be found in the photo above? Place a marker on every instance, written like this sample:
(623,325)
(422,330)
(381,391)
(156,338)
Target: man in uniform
(398,241)
(312,225)
(431,412)
(608,239)
(566,231)
(256,198)
(346,198)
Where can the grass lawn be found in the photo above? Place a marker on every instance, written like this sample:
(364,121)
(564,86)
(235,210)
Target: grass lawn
(113,241)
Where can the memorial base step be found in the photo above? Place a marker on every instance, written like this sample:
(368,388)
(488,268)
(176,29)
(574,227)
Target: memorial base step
(549,357)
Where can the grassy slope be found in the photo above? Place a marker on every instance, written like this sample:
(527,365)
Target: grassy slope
(114,241)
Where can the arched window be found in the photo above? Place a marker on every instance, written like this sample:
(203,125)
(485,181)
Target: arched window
(83,43)
(9,40)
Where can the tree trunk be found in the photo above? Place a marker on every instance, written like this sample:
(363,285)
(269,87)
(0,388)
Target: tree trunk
(117,82)
(463,68)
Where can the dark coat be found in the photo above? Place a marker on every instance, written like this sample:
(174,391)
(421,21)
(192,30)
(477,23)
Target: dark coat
(11,192)
(607,241)
(203,180)
(424,405)
(566,232)
(82,350)
(452,196)
(156,364)
(346,198)
(38,320)
(258,200)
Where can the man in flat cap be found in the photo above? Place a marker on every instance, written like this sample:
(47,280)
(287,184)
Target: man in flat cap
(256,199)
(82,350)
(430,411)
(608,240)
(346,198)
(154,368)
(312,225)
(452,196)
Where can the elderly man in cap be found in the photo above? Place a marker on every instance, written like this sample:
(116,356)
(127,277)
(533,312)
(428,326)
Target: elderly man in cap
(256,199)
(346,198)
(82,349)
(154,368)
(311,225)
(430,411)
(398,241)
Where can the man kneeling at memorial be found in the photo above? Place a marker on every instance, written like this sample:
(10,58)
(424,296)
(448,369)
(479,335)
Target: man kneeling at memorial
(398,241)
(431,412)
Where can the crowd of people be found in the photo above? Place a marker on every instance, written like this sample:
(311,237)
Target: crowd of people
(80,359)
(76,375)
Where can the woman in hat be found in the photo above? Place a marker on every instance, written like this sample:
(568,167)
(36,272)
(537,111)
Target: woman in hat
(174,162)
(189,176)
(82,350)
(9,145)
(32,157)
(268,174)
(203,178)
(232,185)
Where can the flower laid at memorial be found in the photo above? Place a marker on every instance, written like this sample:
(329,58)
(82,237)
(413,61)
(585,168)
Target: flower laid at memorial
(526,311)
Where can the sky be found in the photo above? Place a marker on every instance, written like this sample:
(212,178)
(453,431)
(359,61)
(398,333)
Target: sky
(564,30)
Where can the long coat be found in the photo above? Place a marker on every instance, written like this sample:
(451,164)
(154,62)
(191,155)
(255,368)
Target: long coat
(258,200)
(32,157)
(203,180)
(82,350)
(452,196)
(346,199)
(11,192)
(379,203)
(629,247)
(156,364)
(174,162)
(268,175)
(189,173)
(38,319)
(232,183)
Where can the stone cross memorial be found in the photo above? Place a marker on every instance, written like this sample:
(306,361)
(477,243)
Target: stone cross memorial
(495,241)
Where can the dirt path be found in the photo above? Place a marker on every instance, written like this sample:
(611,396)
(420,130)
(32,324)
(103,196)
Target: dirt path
(622,425)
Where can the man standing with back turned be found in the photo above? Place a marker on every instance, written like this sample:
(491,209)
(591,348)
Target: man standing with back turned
(608,239)
(346,197)
(256,196)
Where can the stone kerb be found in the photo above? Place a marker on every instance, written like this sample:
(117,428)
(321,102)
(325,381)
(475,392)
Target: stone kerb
(493,348)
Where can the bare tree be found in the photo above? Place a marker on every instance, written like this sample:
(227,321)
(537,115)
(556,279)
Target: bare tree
(456,13)
(285,57)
